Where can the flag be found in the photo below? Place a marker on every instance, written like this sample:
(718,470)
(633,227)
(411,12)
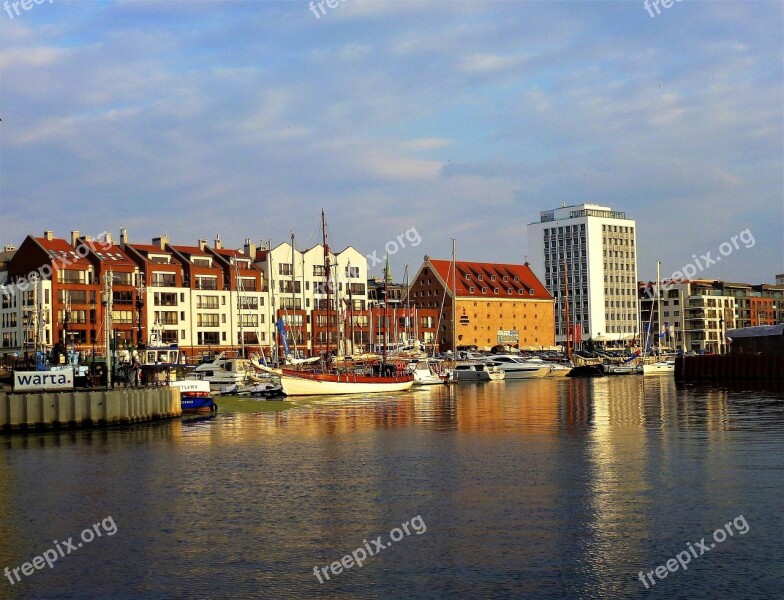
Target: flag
(281,325)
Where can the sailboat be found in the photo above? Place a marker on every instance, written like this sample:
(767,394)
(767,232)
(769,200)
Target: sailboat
(384,378)
(659,367)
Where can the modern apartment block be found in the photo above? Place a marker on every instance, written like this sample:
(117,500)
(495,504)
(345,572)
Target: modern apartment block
(696,314)
(588,252)
(203,298)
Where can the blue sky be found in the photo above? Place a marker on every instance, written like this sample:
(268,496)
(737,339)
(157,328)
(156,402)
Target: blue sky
(460,119)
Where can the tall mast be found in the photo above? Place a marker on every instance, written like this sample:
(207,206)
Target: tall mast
(454,302)
(658,305)
(327,271)
(350,307)
(238,285)
(566,308)
(386,326)
(408,306)
(293,300)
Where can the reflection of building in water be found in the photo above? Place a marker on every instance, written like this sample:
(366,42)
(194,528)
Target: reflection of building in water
(619,485)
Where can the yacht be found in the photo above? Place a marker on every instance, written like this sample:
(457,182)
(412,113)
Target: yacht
(477,371)
(517,367)
(225,371)
(425,373)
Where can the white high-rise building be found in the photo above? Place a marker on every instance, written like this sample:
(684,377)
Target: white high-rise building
(594,249)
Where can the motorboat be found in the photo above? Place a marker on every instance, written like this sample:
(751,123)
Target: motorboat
(517,367)
(666,367)
(195,396)
(425,373)
(223,371)
(477,371)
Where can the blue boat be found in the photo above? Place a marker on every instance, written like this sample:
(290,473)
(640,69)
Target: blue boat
(195,396)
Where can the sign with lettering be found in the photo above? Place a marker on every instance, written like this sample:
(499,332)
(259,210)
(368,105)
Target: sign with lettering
(508,336)
(36,381)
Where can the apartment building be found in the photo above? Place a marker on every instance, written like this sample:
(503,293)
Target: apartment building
(696,314)
(588,254)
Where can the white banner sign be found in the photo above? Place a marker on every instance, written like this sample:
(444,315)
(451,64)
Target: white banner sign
(36,381)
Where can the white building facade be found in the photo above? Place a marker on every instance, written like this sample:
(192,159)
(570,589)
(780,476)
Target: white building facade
(592,250)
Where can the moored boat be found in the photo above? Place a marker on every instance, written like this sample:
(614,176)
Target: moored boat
(477,371)
(195,396)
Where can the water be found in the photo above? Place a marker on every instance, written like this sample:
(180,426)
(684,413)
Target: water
(530,489)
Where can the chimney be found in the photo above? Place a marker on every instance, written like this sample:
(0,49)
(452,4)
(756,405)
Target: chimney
(123,236)
(161,241)
(74,238)
(250,249)
(107,238)
(202,243)
(218,244)
(49,235)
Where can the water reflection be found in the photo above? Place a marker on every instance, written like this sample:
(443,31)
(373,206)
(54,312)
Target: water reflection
(542,488)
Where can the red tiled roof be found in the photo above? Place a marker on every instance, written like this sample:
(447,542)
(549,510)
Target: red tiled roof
(190,250)
(149,248)
(526,280)
(57,247)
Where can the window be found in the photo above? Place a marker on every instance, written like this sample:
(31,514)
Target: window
(166,317)
(352,272)
(164,299)
(318,271)
(71,276)
(202,261)
(207,320)
(208,302)
(206,282)
(163,279)
(284,269)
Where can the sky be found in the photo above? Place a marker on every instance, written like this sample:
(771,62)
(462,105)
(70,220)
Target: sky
(409,122)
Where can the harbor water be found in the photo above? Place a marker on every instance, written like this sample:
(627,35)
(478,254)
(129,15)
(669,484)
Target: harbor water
(547,488)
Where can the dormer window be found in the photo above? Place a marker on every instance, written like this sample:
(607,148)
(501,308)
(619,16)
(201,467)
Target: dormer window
(517,278)
(506,278)
(468,275)
(479,277)
(492,277)
(471,290)
(202,261)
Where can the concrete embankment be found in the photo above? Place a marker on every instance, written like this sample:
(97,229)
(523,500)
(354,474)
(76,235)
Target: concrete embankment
(29,411)
(730,366)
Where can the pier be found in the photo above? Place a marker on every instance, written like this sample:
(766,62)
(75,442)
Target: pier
(57,410)
(730,366)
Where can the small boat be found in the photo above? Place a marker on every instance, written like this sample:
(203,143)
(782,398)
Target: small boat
(610,369)
(424,373)
(659,368)
(223,371)
(517,367)
(477,371)
(195,396)
(267,390)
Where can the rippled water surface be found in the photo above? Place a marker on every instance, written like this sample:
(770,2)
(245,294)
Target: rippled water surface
(529,489)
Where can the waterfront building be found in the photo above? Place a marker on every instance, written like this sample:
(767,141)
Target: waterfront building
(203,298)
(495,304)
(780,279)
(696,314)
(593,249)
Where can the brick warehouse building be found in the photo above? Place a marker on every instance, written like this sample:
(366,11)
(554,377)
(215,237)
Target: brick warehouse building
(496,304)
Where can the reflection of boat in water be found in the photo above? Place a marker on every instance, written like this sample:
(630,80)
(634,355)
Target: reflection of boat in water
(477,371)
(195,396)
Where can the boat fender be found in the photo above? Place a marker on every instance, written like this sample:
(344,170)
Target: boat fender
(214,406)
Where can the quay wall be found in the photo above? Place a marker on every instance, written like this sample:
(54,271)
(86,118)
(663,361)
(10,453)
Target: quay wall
(53,410)
(730,366)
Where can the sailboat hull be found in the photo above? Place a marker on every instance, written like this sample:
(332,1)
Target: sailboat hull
(296,384)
